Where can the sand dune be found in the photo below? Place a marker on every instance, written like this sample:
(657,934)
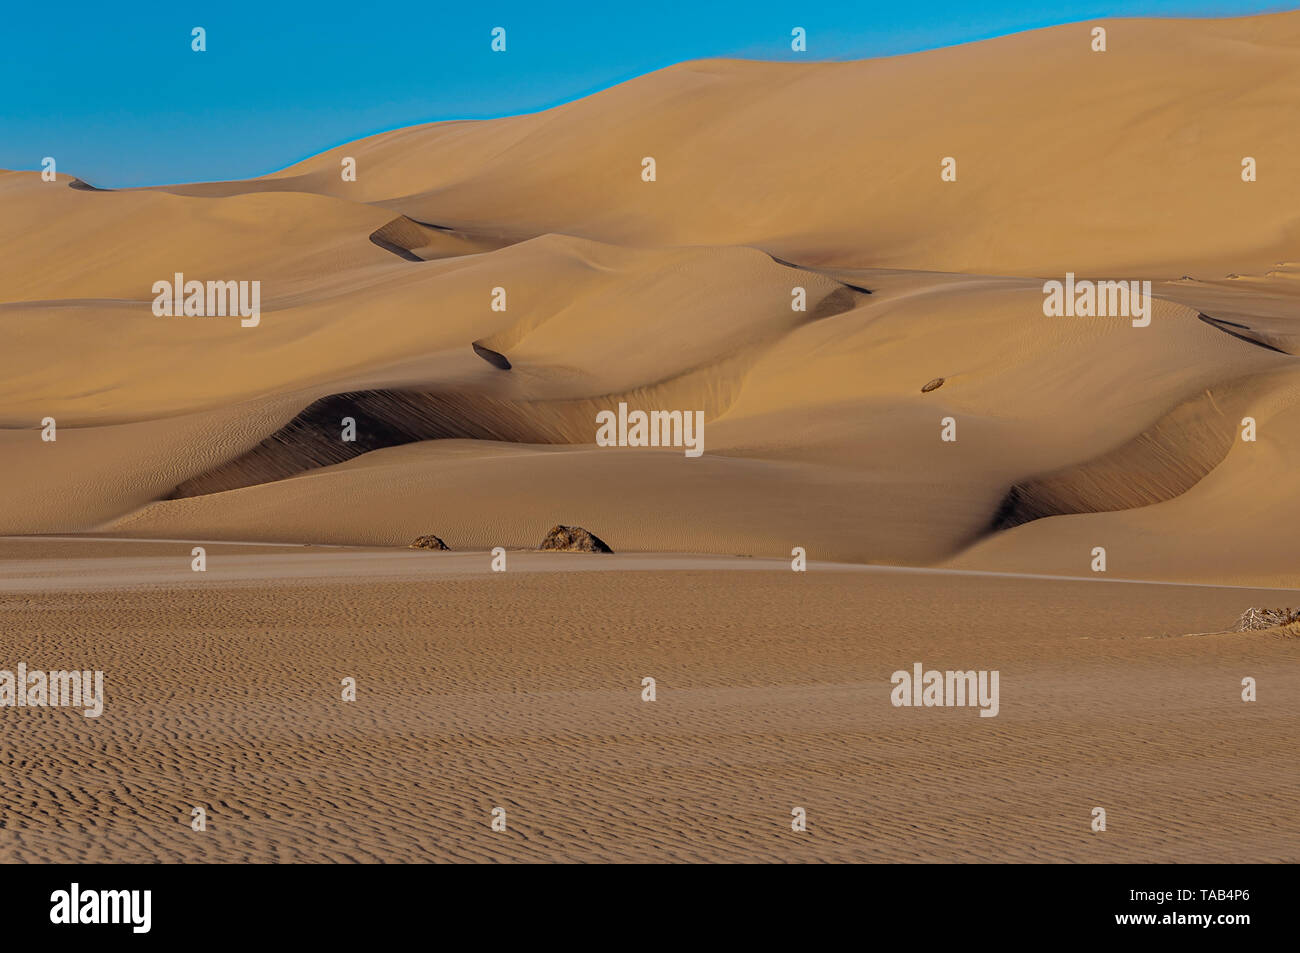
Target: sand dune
(380,305)
(1142,141)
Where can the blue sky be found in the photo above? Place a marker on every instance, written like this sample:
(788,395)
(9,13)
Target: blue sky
(115,94)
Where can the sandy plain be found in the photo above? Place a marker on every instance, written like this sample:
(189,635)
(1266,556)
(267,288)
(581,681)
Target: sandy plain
(522,690)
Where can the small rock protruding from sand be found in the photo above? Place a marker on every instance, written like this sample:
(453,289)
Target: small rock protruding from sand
(430,542)
(933,385)
(1256,618)
(495,358)
(573,539)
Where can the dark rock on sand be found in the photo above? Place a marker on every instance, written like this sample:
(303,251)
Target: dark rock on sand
(430,542)
(573,539)
(933,385)
(495,358)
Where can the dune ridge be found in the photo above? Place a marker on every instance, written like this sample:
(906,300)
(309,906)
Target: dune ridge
(1159,464)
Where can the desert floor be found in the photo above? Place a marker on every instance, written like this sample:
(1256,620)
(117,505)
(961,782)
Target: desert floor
(522,690)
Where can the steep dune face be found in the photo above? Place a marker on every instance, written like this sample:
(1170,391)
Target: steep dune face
(1235,526)
(1159,464)
(797,272)
(89,475)
(415,241)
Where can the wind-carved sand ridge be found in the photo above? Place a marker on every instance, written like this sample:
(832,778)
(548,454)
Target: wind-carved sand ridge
(416,241)
(1159,464)
(1241,332)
